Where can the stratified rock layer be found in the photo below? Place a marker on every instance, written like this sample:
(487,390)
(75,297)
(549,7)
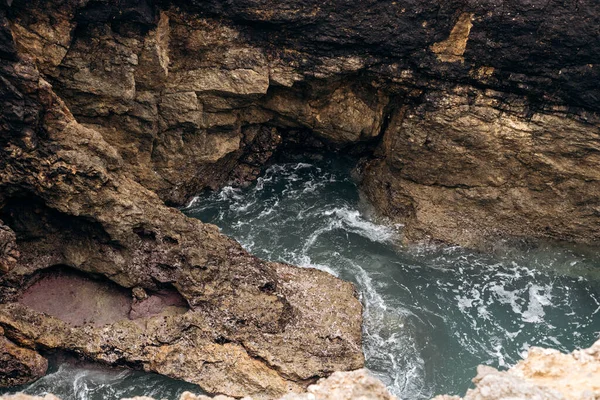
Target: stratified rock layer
(469,165)
(19,365)
(483,118)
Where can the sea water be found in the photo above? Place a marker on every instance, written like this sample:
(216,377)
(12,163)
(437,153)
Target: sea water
(432,313)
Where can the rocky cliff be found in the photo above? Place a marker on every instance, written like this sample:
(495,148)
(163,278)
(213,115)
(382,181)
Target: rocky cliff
(74,200)
(474,119)
(478,118)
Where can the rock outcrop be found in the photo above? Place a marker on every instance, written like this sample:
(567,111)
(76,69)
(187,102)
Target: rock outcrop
(545,374)
(19,365)
(470,165)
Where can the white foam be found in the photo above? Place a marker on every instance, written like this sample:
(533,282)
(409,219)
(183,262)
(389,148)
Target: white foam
(538,298)
(354,222)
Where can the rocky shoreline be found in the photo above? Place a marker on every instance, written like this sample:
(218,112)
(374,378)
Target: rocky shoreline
(473,122)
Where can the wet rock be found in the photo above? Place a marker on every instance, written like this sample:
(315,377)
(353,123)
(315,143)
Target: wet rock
(19,365)
(357,384)
(340,117)
(485,118)
(345,385)
(174,88)
(172,92)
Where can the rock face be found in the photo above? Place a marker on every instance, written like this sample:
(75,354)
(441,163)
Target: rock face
(478,120)
(470,165)
(544,374)
(481,120)
(71,198)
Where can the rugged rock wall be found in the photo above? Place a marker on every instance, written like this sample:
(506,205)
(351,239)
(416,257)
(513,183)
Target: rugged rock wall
(17,364)
(483,114)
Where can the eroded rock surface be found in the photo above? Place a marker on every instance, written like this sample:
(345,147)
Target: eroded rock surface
(469,165)
(71,198)
(484,116)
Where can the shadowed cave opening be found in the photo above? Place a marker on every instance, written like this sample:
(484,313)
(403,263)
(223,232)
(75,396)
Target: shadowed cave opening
(81,299)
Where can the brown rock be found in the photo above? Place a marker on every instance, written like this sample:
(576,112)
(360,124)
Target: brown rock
(9,253)
(341,117)
(253,327)
(172,90)
(19,365)
(345,386)
(109,110)
(469,166)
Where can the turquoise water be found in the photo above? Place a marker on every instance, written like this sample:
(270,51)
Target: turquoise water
(432,314)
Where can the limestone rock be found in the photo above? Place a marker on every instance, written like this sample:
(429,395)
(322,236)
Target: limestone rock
(173,88)
(457,168)
(153,67)
(355,385)
(252,328)
(545,374)
(240,82)
(343,117)
(44,36)
(478,125)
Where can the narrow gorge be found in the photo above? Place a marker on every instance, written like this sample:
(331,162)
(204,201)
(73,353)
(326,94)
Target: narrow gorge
(433,168)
